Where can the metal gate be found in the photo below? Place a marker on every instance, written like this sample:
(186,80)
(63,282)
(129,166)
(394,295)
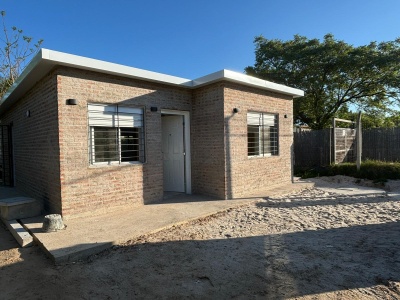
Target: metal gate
(6,158)
(344,142)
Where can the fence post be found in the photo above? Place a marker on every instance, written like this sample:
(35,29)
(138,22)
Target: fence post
(334,141)
(292,160)
(359,141)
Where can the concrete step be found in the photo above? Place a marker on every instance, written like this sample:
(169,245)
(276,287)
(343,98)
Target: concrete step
(20,234)
(19,208)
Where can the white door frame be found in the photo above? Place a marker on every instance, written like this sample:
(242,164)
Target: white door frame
(188,169)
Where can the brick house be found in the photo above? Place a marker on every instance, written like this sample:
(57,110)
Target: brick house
(84,136)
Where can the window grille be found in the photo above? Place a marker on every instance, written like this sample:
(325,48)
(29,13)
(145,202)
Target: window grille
(116,134)
(262,134)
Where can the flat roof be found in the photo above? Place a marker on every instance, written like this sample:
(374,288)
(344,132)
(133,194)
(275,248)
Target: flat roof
(45,60)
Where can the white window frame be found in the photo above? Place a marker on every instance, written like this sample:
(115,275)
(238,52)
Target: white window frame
(112,121)
(260,119)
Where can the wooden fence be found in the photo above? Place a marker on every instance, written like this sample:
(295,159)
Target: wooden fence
(315,148)
(312,148)
(381,144)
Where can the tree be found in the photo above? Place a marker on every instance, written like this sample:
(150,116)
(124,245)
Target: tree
(370,120)
(332,73)
(14,53)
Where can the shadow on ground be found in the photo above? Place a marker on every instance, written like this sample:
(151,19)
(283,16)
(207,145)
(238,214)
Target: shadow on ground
(7,241)
(273,267)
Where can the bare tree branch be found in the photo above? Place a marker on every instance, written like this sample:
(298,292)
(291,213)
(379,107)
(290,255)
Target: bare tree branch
(14,53)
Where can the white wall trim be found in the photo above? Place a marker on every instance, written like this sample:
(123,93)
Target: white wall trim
(188,159)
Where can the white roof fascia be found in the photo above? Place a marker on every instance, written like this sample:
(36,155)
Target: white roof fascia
(46,59)
(60,58)
(247,80)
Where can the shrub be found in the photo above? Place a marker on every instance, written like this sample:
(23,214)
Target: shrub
(379,171)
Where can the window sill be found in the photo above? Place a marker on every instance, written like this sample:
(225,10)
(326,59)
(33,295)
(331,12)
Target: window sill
(115,164)
(261,156)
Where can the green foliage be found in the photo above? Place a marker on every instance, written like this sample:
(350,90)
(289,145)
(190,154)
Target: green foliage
(332,73)
(14,53)
(379,171)
(370,169)
(379,119)
(305,173)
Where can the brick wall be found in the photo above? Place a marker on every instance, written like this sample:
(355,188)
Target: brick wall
(51,146)
(208,166)
(35,141)
(249,176)
(88,188)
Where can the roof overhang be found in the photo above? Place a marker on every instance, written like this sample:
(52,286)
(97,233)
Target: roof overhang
(45,60)
(249,81)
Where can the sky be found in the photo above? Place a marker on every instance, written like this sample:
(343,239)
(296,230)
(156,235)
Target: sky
(191,39)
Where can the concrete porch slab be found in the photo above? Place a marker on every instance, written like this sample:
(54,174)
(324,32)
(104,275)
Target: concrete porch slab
(395,195)
(10,192)
(345,188)
(90,235)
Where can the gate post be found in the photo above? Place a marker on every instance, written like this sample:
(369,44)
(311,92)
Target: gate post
(334,140)
(359,141)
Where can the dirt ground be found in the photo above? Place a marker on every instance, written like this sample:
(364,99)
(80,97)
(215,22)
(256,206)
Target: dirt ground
(309,245)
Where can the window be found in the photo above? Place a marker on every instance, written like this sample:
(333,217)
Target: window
(115,134)
(262,134)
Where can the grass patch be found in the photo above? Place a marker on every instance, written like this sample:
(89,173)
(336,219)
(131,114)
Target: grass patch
(378,171)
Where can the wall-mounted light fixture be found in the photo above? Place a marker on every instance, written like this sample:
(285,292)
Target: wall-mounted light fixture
(28,113)
(285,116)
(72,102)
(235,110)
(153,109)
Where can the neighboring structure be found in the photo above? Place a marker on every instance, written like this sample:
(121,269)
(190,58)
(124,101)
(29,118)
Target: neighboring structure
(87,136)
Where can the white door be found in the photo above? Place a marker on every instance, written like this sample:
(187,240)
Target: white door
(173,153)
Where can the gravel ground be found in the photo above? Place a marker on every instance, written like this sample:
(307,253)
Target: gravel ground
(310,245)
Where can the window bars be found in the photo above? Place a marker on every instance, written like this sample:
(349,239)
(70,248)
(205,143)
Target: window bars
(116,134)
(262,134)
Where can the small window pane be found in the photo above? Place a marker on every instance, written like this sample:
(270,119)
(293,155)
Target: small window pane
(253,140)
(274,140)
(130,144)
(266,139)
(105,144)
